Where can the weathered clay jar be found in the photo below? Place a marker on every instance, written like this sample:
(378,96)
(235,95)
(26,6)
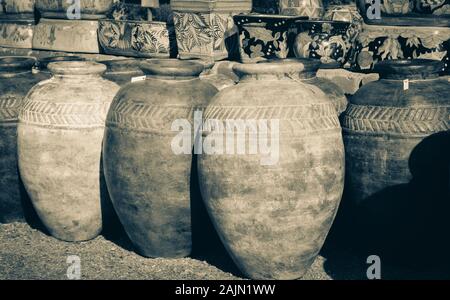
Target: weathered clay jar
(308,75)
(89,9)
(16,80)
(274,212)
(122,71)
(148,179)
(60,134)
(397,153)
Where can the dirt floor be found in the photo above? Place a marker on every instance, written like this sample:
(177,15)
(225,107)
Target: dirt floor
(27,253)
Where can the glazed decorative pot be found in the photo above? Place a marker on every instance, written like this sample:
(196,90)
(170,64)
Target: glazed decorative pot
(384,42)
(122,71)
(137,38)
(272,208)
(329,41)
(62,9)
(147,165)
(307,8)
(16,33)
(435,7)
(78,36)
(397,153)
(60,136)
(16,80)
(264,36)
(203,28)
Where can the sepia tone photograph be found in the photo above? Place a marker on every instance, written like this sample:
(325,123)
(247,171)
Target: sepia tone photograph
(208,141)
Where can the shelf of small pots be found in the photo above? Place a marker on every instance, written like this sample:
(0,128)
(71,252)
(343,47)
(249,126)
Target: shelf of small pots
(128,32)
(265,36)
(415,34)
(205,29)
(330,41)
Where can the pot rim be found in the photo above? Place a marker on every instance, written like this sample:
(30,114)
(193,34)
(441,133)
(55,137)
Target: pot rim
(14,63)
(171,67)
(76,68)
(44,62)
(404,68)
(271,67)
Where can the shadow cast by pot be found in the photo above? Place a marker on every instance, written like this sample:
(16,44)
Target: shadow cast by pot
(206,244)
(405,225)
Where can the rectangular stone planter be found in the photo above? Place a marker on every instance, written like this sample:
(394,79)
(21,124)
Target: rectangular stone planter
(67,35)
(203,26)
(16,33)
(16,7)
(137,38)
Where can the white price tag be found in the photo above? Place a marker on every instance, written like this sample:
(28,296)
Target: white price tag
(138,78)
(406,84)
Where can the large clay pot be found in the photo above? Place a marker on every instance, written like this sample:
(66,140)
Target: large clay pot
(331,89)
(149,182)
(122,71)
(60,134)
(61,9)
(397,153)
(273,215)
(16,80)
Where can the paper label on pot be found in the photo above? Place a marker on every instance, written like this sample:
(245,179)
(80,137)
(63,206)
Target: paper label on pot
(138,78)
(406,84)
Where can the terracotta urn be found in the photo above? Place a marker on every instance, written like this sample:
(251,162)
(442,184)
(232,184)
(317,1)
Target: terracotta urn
(333,91)
(313,9)
(62,9)
(16,79)
(272,193)
(122,71)
(60,134)
(148,155)
(397,155)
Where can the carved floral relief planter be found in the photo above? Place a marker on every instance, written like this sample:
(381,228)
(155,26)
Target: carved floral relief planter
(313,9)
(137,38)
(204,27)
(16,34)
(67,35)
(378,43)
(16,7)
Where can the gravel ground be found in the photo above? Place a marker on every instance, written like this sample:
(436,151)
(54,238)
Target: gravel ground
(28,253)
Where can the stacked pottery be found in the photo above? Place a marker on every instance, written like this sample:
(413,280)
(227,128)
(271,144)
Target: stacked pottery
(16,79)
(148,155)
(66,27)
(16,23)
(397,156)
(272,208)
(122,71)
(60,134)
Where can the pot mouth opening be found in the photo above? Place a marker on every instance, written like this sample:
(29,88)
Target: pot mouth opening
(16,64)
(270,67)
(44,62)
(76,68)
(408,69)
(122,65)
(172,68)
